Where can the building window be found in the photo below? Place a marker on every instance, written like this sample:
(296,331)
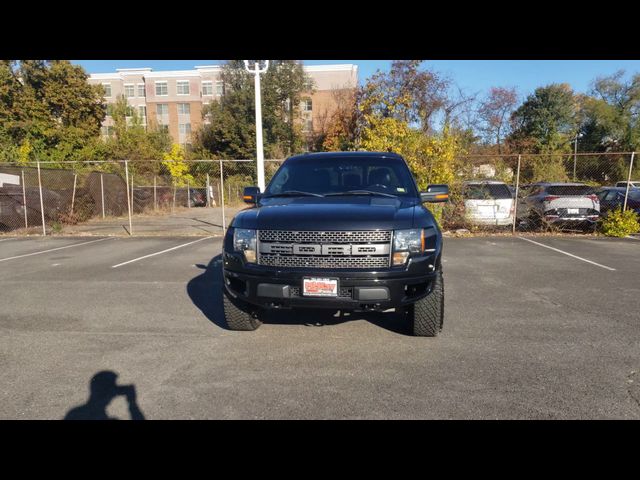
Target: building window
(184,131)
(183,87)
(129,91)
(161,89)
(162,110)
(219,87)
(163,127)
(207,88)
(107,89)
(141,91)
(142,111)
(308,125)
(306,105)
(184,109)
(106,130)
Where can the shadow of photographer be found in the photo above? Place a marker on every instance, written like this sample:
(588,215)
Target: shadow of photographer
(102,390)
(205,292)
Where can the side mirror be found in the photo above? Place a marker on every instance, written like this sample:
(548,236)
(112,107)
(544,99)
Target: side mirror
(251,194)
(435,194)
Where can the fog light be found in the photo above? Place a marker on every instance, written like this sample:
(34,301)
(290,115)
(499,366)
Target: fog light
(250,256)
(400,258)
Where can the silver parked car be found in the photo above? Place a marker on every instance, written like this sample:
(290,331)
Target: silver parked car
(560,204)
(488,202)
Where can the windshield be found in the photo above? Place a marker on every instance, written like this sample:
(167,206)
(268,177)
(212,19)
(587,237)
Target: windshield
(337,174)
(487,191)
(634,194)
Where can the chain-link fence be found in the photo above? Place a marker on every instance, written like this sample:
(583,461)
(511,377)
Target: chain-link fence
(488,192)
(521,192)
(36,198)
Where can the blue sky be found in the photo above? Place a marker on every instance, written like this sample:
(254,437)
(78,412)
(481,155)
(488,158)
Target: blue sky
(471,75)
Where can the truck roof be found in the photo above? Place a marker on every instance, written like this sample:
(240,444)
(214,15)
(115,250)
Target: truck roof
(560,184)
(358,154)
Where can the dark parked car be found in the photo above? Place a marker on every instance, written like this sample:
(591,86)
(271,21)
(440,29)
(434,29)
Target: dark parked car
(632,184)
(612,198)
(339,230)
(560,204)
(12,208)
(198,197)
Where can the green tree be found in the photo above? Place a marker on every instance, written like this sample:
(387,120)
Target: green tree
(50,104)
(611,114)
(547,121)
(230,132)
(610,123)
(134,141)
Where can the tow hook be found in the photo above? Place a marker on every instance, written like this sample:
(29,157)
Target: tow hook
(276,305)
(367,307)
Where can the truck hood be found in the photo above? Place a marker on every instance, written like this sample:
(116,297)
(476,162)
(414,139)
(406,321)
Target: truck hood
(328,213)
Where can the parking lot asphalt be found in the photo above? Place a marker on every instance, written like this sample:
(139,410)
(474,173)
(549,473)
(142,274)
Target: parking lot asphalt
(183,221)
(544,328)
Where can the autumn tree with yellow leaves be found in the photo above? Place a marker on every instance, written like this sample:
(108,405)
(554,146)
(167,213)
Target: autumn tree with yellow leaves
(175,164)
(397,111)
(396,115)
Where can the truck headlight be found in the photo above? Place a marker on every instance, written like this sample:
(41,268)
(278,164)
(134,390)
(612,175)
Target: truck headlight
(406,242)
(244,240)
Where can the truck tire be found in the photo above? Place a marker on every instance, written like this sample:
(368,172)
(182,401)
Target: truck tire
(237,315)
(427,315)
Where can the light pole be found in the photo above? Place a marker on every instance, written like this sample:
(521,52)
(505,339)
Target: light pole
(256,70)
(575,156)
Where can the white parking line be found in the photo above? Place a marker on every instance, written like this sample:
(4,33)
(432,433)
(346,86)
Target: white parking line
(568,254)
(6,239)
(158,253)
(54,249)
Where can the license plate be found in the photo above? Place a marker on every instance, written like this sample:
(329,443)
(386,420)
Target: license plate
(573,211)
(320,287)
(486,210)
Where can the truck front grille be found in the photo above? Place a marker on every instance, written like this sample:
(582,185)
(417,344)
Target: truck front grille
(362,236)
(324,249)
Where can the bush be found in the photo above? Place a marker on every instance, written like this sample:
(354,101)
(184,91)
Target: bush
(620,224)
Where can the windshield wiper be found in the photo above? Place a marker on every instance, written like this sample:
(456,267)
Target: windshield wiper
(294,193)
(361,192)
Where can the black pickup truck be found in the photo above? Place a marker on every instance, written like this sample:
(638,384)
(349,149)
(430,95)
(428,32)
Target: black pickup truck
(340,230)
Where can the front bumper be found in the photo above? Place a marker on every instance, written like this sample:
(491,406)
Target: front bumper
(269,287)
(489,221)
(582,219)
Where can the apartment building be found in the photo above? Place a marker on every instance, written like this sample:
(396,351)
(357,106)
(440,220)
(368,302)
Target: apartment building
(174,99)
